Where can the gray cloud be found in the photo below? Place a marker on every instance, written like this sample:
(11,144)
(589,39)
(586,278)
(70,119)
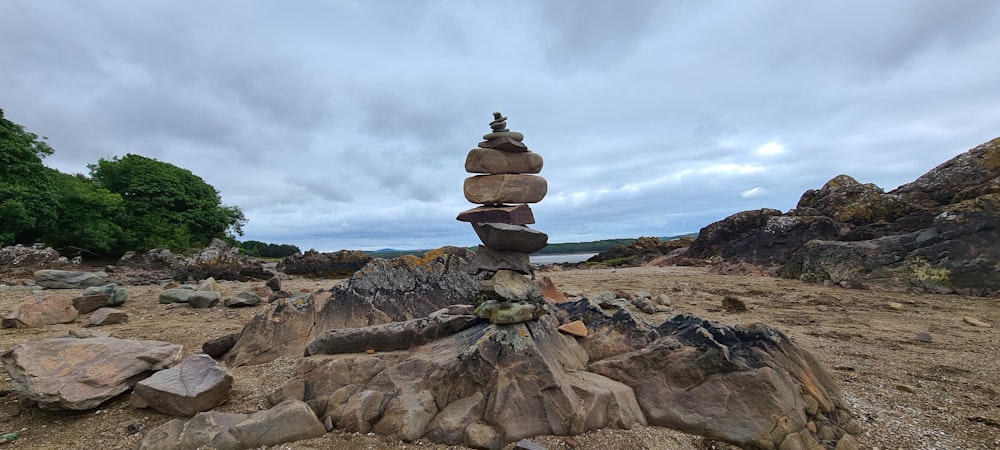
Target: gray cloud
(345,125)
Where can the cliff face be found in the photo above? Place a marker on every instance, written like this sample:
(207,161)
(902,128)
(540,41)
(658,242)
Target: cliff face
(938,233)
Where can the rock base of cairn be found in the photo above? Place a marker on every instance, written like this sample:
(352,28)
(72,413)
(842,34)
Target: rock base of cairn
(503,184)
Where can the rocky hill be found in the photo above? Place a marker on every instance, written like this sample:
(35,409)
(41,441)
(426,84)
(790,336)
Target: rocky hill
(938,233)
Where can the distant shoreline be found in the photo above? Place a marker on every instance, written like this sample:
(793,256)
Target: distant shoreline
(561,258)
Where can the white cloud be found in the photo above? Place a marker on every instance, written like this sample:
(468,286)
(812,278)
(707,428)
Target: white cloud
(771,148)
(361,113)
(756,192)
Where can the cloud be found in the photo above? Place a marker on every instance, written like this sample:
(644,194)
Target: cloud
(755,192)
(346,124)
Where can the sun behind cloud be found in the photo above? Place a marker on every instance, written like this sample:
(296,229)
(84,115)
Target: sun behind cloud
(771,148)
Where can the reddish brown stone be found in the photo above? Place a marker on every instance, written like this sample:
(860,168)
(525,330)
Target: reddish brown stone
(487,160)
(576,328)
(549,290)
(508,188)
(512,214)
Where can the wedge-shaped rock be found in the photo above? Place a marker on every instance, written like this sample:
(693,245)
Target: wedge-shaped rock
(79,374)
(90,303)
(512,214)
(287,422)
(38,312)
(508,188)
(516,238)
(105,316)
(488,160)
(197,384)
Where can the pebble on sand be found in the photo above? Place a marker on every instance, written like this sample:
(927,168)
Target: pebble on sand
(976,322)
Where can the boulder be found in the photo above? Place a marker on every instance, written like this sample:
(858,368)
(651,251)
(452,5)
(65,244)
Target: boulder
(194,385)
(245,298)
(969,175)
(105,316)
(116,295)
(203,299)
(324,265)
(507,188)
(79,374)
(177,295)
(399,289)
(286,422)
(845,200)
(516,238)
(220,261)
(762,236)
(209,284)
(274,284)
(219,346)
(957,255)
(90,303)
(30,258)
(608,334)
(512,214)
(69,279)
(157,259)
(38,312)
(749,386)
(491,161)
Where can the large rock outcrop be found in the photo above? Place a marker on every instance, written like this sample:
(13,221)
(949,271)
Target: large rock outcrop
(937,233)
(749,386)
(396,351)
(324,265)
(384,291)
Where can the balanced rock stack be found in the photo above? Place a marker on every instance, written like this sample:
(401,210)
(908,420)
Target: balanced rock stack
(505,186)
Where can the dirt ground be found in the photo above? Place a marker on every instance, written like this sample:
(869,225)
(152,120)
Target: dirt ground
(942,394)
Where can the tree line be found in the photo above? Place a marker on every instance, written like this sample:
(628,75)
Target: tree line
(124,203)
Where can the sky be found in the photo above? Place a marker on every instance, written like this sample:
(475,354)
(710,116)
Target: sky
(345,124)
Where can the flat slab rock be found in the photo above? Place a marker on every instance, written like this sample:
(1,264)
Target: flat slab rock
(38,312)
(79,374)
(69,279)
(286,422)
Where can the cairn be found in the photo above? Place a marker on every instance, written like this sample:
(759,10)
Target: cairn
(503,186)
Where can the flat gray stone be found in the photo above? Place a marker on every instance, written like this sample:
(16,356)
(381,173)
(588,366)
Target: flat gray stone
(516,238)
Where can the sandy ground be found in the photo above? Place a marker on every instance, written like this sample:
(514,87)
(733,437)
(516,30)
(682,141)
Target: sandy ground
(943,394)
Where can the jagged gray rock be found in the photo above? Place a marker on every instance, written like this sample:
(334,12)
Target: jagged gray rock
(399,289)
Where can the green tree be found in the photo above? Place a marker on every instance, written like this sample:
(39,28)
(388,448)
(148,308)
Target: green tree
(266,250)
(26,197)
(88,215)
(165,205)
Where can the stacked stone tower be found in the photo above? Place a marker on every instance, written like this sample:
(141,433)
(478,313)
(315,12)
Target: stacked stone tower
(504,186)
